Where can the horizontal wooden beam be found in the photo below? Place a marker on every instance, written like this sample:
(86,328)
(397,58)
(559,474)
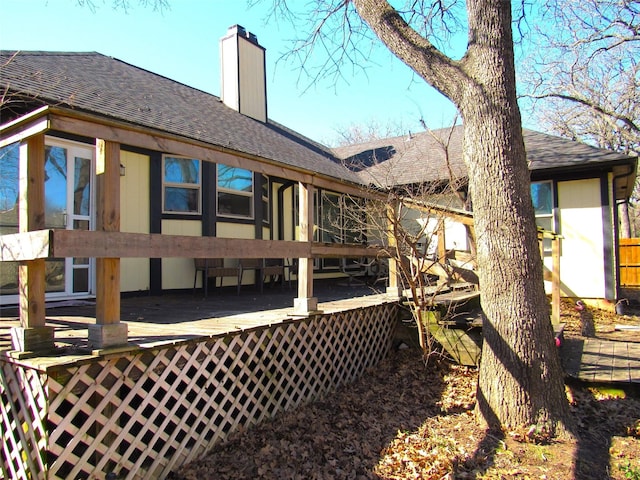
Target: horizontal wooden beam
(126,135)
(466,218)
(81,243)
(337,250)
(27,129)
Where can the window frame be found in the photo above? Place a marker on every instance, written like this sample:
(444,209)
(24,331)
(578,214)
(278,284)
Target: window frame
(550,216)
(183,185)
(266,200)
(239,193)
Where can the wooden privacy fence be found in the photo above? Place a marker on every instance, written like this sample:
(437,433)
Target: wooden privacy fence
(629,263)
(141,414)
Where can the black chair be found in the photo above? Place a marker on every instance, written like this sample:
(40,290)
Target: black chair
(214,268)
(273,268)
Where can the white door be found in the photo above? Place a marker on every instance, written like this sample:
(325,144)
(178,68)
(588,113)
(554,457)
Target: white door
(69,204)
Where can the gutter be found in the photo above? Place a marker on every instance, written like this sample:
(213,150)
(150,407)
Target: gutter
(616,232)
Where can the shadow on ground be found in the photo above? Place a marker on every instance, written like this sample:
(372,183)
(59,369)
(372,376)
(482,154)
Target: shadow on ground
(341,436)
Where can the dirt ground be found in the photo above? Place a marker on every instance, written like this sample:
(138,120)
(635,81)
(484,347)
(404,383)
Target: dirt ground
(403,420)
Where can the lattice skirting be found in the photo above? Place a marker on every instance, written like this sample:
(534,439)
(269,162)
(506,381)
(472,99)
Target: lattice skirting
(141,414)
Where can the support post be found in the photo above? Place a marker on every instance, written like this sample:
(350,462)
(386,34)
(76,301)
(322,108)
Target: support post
(393,289)
(33,336)
(108,330)
(555,280)
(305,303)
(442,249)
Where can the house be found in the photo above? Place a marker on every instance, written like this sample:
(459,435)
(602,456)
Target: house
(142,169)
(115,180)
(575,189)
(237,179)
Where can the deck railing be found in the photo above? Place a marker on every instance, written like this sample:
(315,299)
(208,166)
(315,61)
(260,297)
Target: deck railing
(143,413)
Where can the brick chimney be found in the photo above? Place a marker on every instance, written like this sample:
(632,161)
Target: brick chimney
(243,73)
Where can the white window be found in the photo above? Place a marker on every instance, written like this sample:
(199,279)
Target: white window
(235,192)
(181,180)
(542,197)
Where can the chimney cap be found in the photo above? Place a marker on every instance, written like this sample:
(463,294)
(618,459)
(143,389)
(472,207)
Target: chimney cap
(242,32)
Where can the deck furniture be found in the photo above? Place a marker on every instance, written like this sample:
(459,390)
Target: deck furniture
(215,268)
(263,268)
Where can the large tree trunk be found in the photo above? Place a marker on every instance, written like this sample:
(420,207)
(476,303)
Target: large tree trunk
(521,381)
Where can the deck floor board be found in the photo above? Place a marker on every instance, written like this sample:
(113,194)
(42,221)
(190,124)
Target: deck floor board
(596,360)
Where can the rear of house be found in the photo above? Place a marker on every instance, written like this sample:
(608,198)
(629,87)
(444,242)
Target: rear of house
(246,187)
(575,189)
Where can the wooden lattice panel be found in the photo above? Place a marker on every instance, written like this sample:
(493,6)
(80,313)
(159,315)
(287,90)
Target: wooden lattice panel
(142,415)
(23,410)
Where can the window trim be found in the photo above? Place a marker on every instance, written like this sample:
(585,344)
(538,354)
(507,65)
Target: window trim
(266,199)
(239,193)
(546,242)
(188,186)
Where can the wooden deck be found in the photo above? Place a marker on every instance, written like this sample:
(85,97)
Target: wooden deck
(595,360)
(176,318)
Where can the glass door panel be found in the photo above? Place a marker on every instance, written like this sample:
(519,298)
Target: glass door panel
(9,161)
(80,219)
(55,200)
(68,200)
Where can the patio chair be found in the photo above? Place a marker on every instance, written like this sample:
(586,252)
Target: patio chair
(274,269)
(214,268)
(263,268)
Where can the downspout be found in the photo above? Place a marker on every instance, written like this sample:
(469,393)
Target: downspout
(281,190)
(616,234)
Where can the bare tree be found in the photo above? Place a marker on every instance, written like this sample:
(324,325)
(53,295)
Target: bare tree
(408,221)
(124,5)
(585,77)
(520,381)
(354,133)
(585,67)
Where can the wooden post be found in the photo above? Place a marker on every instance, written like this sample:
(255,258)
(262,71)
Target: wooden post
(555,280)
(108,331)
(33,335)
(442,249)
(393,289)
(306,303)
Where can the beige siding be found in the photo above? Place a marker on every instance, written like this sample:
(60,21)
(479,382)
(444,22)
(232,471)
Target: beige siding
(235,230)
(178,272)
(290,233)
(134,217)
(252,81)
(581,226)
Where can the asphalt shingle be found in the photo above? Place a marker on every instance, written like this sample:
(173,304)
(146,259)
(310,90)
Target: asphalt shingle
(419,158)
(96,83)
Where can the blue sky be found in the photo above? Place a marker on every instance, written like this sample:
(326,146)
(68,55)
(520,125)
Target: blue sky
(182,43)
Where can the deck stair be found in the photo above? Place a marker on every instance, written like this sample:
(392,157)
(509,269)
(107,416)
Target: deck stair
(455,322)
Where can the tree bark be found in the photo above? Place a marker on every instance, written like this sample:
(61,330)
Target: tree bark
(625,224)
(521,382)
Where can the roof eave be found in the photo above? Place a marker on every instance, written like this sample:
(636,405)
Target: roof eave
(92,125)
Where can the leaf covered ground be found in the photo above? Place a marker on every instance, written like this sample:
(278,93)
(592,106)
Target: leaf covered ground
(403,420)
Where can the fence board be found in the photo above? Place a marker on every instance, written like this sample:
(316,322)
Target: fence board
(629,253)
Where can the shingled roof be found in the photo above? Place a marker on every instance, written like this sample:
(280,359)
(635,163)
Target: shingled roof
(95,83)
(419,158)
